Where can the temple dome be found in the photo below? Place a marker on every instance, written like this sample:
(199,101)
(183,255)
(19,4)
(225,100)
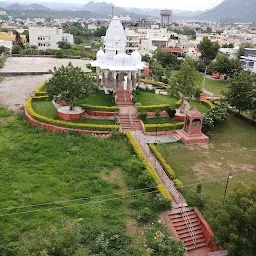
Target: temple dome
(136,58)
(122,60)
(100,56)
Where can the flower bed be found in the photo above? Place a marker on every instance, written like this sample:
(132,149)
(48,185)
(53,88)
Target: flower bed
(169,171)
(91,127)
(162,127)
(147,165)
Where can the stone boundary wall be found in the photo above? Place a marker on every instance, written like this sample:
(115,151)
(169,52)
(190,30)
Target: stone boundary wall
(53,128)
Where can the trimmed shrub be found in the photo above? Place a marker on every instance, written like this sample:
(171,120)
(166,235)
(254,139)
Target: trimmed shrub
(178,184)
(100,108)
(148,167)
(171,112)
(40,91)
(208,104)
(153,108)
(162,127)
(142,116)
(43,119)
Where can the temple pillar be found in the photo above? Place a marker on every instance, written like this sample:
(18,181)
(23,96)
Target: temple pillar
(129,76)
(114,80)
(138,74)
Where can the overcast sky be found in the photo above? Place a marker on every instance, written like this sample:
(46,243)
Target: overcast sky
(171,4)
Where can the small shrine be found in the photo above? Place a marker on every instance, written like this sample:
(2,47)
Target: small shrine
(192,130)
(114,68)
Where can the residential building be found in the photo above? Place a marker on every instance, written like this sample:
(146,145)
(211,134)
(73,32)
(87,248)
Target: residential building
(232,53)
(10,36)
(133,41)
(48,37)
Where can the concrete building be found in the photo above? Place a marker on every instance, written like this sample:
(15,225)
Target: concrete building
(166,17)
(231,52)
(249,59)
(47,37)
(133,41)
(119,70)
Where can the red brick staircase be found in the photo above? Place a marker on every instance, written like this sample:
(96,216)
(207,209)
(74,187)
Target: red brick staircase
(187,227)
(128,113)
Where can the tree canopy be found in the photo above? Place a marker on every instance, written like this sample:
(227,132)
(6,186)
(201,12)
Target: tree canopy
(69,83)
(208,49)
(242,91)
(64,45)
(186,80)
(224,65)
(234,221)
(167,59)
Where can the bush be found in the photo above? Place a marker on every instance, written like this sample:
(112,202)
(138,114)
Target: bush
(178,184)
(145,180)
(162,127)
(197,93)
(160,203)
(142,116)
(144,215)
(153,108)
(100,108)
(171,112)
(60,54)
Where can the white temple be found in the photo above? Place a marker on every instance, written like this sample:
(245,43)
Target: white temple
(119,70)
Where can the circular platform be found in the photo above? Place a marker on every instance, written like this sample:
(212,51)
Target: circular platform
(65,113)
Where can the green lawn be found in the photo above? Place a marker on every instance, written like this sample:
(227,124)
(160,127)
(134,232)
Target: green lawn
(215,86)
(232,149)
(149,98)
(97,99)
(46,108)
(160,121)
(201,107)
(38,167)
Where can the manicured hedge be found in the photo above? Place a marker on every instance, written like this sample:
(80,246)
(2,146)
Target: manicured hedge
(155,83)
(100,108)
(208,104)
(153,108)
(147,165)
(43,119)
(162,127)
(169,171)
(40,91)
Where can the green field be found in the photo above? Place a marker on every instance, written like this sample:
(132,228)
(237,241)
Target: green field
(149,98)
(232,149)
(201,107)
(39,167)
(215,86)
(99,98)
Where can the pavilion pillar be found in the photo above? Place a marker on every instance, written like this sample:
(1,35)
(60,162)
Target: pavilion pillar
(129,76)
(138,75)
(114,80)
(97,74)
(105,81)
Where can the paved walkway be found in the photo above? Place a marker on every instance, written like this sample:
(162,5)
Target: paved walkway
(154,139)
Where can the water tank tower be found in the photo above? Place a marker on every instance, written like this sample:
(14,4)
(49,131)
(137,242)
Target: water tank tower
(166,17)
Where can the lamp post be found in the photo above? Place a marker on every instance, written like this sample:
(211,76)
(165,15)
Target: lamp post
(229,177)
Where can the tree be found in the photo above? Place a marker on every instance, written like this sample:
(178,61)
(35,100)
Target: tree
(18,39)
(16,49)
(69,83)
(242,47)
(241,91)
(146,58)
(224,65)
(208,49)
(158,71)
(26,34)
(3,49)
(215,116)
(234,221)
(99,32)
(166,59)
(64,45)
(186,80)
(78,40)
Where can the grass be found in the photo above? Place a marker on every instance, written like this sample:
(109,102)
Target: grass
(149,98)
(232,149)
(46,108)
(99,98)
(160,121)
(40,167)
(201,107)
(215,86)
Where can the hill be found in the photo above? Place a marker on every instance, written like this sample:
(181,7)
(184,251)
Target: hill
(232,10)
(21,7)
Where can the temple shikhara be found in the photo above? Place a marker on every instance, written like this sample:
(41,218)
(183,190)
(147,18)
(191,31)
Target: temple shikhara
(119,70)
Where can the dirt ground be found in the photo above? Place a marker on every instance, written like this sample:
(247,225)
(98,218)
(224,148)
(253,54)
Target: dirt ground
(15,90)
(36,64)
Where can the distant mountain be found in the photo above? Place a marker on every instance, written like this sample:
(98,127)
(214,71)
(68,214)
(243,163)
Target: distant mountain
(21,7)
(233,10)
